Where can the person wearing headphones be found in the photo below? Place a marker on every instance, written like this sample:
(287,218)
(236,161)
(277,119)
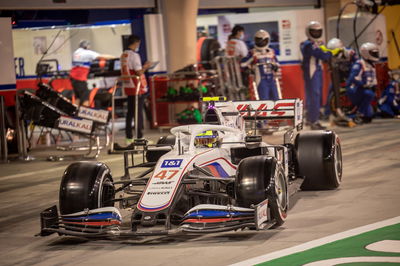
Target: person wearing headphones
(81,61)
(131,65)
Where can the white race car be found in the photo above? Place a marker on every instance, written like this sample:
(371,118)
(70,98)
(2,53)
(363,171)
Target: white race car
(203,178)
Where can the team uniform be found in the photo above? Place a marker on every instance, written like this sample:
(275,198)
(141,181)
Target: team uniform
(236,47)
(266,67)
(130,64)
(312,74)
(81,60)
(359,86)
(389,103)
(346,59)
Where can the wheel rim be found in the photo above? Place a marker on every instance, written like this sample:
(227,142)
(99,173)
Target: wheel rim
(280,191)
(338,162)
(107,193)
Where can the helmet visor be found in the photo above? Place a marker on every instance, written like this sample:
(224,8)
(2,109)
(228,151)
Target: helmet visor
(374,54)
(260,42)
(316,34)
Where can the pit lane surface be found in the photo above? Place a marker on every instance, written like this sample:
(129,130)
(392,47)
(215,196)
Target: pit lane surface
(369,193)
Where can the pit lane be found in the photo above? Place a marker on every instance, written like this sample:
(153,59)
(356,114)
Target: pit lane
(369,193)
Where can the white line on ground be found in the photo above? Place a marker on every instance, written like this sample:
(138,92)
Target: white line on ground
(318,242)
(60,168)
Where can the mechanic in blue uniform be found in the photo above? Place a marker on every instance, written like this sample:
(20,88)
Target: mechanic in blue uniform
(346,58)
(362,81)
(312,71)
(389,103)
(266,66)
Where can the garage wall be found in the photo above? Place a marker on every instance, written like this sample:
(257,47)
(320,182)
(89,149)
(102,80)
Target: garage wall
(29,45)
(255,3)
(75,4)
(104,40)
(7,73)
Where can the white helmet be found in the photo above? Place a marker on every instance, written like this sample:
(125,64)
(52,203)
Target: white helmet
(261,39)
(369,51)
(314,30)
(334,43)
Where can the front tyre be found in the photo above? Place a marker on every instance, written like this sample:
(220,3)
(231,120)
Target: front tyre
(319,160)
(86,185)
(259,178)
(278,198)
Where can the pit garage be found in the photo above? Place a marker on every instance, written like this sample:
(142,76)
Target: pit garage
(174,149)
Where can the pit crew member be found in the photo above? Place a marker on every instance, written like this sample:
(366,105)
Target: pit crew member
(266,66)
(131,65)
(312,71)
(362,81)
(235,45)
(81,60)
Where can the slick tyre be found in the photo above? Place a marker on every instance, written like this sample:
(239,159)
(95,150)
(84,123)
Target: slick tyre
(154,155)
(86,185)
(259,178)
(319,160)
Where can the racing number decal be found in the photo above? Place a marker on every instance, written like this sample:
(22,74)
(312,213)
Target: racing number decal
(168,174)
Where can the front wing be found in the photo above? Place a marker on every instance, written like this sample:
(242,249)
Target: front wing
(106,222)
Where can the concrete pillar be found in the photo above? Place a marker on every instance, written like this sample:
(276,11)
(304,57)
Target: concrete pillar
(179,18)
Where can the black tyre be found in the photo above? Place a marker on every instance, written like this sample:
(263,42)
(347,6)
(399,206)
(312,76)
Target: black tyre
(209,50)
(86,185)
(154,155)
(259,178)
(319,159)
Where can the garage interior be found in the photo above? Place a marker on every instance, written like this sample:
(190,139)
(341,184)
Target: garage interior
(185,42)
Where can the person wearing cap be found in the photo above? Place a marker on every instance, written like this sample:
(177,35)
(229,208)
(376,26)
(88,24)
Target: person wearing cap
(266,66)
(81,60)
(313,54)
(362,81)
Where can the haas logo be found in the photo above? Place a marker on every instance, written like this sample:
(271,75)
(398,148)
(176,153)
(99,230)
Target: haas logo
(267,108)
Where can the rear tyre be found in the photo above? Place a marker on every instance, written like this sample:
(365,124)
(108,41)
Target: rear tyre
(319,160)
(259,178)
(86,185)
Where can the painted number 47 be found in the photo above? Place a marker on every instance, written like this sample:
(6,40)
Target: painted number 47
(168,174)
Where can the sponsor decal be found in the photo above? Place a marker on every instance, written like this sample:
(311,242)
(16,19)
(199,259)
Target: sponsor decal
(261,214)
(285,24)
(171,163)
(75,124)
(93,114)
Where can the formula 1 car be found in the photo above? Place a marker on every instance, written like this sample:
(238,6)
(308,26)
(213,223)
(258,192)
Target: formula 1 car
(203,178)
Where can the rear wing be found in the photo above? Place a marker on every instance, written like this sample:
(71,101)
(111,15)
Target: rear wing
(280,110)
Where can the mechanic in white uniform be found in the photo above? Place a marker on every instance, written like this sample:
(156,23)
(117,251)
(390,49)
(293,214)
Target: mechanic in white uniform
(235,45)
(131,64)
(81,60)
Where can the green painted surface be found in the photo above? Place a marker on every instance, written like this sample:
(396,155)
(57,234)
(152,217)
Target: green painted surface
(348,247)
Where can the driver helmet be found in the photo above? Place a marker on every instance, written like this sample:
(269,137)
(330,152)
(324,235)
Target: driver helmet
(314,30)
(208,139)
(261,39)
(369,51)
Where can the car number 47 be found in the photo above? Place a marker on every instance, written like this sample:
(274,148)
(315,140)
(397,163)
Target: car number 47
(168,174)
